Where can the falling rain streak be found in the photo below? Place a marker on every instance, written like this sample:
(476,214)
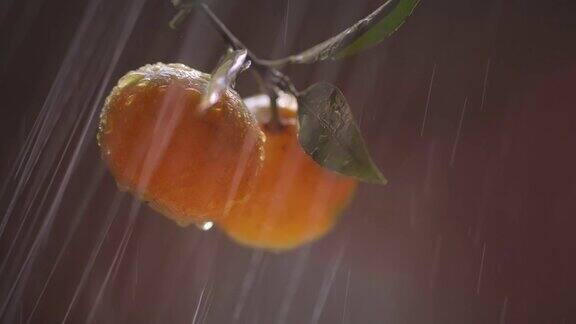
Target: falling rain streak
(428,96)
(485,84)
(457,138)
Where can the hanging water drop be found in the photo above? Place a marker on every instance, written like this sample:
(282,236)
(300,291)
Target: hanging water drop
(205,226)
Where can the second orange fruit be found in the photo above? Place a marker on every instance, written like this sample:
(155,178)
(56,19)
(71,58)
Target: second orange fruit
(294,200)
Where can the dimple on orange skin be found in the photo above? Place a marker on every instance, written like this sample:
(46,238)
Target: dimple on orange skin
(191,166)
(295,200)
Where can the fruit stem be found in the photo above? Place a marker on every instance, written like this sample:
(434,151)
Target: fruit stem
(274,124)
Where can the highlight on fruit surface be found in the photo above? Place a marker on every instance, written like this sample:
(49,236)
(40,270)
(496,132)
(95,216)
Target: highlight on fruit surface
(294,200)
(191,166)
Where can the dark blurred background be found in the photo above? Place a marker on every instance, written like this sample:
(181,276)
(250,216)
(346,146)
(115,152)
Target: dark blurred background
(469,109)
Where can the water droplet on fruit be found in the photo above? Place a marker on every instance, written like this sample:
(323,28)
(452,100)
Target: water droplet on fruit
(143,83)
(129,79)
(129,100)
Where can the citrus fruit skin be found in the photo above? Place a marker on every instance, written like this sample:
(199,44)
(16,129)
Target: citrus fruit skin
(294,201)
(190,165)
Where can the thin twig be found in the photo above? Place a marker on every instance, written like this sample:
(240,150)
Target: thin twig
(267,72)
(222,29)
(270,79)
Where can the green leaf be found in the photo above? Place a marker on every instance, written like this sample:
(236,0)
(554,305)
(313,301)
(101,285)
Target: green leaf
(383,29)
(224,76)
(329,134)
(374,28)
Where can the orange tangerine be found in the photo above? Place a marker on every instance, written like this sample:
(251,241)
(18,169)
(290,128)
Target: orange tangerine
(190,165)
(295,200)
